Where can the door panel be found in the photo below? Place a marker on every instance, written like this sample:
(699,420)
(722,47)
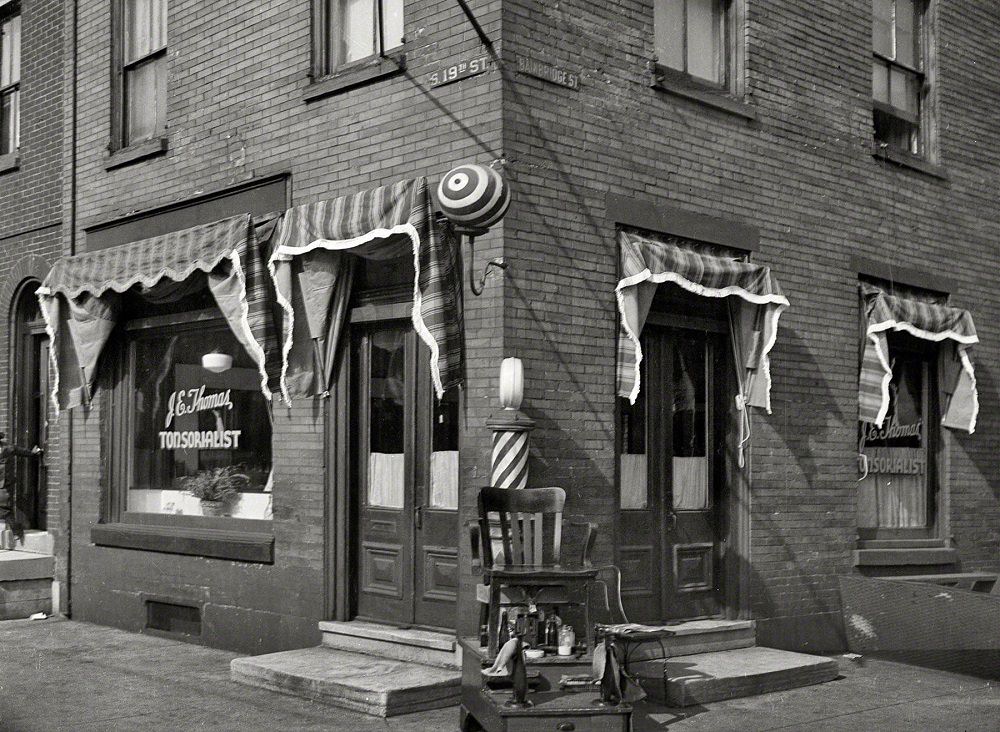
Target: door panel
(407,468)
(674,434)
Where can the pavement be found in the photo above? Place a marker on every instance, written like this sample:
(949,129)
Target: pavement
(65,675)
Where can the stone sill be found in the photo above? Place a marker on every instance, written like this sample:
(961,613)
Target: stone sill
(135,153)
(363,72)
(241,546)
(9,162)
(666,81)
(906,160)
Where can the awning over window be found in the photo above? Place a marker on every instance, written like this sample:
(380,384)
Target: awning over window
(949,326)
(755,302)
(313,266)
(81,296)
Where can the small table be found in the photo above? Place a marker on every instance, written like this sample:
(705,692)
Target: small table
(552,708)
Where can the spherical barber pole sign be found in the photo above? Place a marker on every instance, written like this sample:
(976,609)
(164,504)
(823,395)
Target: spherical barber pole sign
(473,196)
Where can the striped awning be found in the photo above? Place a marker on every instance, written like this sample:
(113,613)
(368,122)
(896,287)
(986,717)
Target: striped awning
(755,298)
(949,326)
(81,296)
(313,265)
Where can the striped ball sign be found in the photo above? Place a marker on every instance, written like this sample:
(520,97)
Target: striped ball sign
(473,196)
(510,459)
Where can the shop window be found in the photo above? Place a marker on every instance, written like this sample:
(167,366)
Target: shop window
(181,418)
(10,79)
(899,77)
(897,487)
(140,70)
(692,37)
(350,31)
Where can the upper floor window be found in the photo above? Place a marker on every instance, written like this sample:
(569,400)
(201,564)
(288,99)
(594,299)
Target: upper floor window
(899,80)
(353,30)
(142,72)
(10,80)
(692,37)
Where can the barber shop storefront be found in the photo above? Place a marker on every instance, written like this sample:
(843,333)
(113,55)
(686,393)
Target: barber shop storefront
(259,406)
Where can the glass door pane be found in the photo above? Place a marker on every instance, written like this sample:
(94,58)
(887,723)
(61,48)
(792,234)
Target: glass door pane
(690,425)
(386,401)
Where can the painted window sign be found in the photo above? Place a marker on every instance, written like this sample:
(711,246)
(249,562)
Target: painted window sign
(893,457)
(189,401)
(187,421)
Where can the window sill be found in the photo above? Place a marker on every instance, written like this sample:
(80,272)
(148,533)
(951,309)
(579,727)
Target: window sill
(665,80)
(906,160)
(363,72)
(9,162)
(219,543)
(135,153)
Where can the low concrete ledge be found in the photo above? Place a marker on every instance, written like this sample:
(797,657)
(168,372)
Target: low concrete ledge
(16,566)
(911,556)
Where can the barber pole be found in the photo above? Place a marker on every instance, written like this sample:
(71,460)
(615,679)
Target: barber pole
(510,430)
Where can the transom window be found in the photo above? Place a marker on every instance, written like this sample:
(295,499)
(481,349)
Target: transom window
(142,72)
(691,36)
(354,30)
(898,73)
(10,81)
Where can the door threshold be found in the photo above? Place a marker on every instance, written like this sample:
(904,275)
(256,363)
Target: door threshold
(403,626)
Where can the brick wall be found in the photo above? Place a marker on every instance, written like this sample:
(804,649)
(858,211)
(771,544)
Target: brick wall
(237,112)
(31,212)
(803,174)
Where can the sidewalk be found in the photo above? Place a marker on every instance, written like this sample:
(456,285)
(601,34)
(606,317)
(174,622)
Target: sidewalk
(62,675)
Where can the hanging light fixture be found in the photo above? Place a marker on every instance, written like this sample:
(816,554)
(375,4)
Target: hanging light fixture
(216,362)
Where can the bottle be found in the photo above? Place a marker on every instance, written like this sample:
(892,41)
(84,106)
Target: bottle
(567,639)
(552,630)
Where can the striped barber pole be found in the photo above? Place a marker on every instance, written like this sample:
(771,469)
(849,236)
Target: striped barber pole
(510,458)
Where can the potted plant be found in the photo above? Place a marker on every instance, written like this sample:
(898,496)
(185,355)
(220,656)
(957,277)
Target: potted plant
(216,488)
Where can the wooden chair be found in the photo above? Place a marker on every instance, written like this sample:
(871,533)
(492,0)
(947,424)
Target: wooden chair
(527,565)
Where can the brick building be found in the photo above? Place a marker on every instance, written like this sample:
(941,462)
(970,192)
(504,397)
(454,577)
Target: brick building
(763,142)
(33,233)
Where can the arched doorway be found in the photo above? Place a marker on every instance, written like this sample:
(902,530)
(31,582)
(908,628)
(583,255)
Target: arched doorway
(29,406)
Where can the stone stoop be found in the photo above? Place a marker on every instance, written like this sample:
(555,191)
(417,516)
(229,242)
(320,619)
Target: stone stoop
(426,647)
(698,636)
(35,541)
(25,584)
(708,677)
(362,683)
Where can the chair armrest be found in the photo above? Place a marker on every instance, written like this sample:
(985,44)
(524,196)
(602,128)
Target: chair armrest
(476,543)
(588,541)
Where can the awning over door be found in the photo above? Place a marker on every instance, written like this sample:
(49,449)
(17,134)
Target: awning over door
(81,296)
(951,327)
(755,304)
(313,268)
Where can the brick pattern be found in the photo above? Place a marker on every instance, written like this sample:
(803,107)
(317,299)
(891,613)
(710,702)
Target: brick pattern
(31,211)
(803,174)
(235,114)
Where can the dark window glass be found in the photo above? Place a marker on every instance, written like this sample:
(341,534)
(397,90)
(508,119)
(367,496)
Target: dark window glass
(10,83)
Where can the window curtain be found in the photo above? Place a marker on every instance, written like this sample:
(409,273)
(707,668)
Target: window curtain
(82,295)
(755,304)
(952,327)
(313,266)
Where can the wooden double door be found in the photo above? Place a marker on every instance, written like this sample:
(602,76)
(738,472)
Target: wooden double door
(674,467)
(404,449)
(30,421)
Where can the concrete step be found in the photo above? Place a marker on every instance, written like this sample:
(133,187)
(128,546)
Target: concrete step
(355,681)
(25,566)
(975,581)
(25,584)
(709,677)
(896,557)
(38,542)
(698,636)
(431,648)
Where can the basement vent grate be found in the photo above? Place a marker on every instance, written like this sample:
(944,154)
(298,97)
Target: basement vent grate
(170,617)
